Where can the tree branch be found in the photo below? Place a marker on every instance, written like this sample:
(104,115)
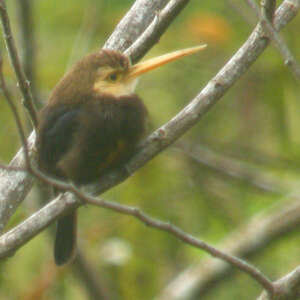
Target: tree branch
(133,24)
(265,16)
(156,29)
(28,50)
(246,241)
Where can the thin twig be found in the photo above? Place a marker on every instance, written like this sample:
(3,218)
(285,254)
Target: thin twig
(265,17)
(187,238)
(27,45)
(268,8)
(246,241)
(23,83)
(14,110)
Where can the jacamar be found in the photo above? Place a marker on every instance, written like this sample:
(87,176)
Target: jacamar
(92,124)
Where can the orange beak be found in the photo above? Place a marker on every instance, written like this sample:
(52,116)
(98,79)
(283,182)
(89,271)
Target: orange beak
(153,63)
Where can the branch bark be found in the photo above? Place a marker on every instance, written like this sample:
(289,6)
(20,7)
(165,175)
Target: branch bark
(155,30)
(265,15)
(133,24)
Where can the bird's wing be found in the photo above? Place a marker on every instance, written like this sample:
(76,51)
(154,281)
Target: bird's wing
(55,136)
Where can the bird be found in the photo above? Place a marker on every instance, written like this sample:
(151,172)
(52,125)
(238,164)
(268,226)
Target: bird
(91,124)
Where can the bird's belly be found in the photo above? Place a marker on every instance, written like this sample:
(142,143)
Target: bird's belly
(99,160)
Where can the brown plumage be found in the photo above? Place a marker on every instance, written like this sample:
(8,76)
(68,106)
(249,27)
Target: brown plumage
(83,134)
(91,124)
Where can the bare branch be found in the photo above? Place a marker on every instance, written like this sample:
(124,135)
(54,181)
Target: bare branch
(266,15)
(246,241)
(14,186)
(191,240)
(15,113)
(133,24)
(286,288)
(155,30)
(27,47)
(21,175)
(23,83)
(268,8)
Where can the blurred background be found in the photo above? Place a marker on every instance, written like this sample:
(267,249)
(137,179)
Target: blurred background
(241,160)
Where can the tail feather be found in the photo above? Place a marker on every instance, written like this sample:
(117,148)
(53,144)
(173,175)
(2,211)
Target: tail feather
(65,240)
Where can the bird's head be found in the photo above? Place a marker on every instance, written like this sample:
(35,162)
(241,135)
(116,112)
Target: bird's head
(109,72)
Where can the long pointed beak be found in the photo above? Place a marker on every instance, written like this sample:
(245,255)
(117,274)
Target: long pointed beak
(153,63)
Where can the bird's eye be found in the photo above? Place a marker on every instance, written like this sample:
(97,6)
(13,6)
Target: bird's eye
(113,77)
